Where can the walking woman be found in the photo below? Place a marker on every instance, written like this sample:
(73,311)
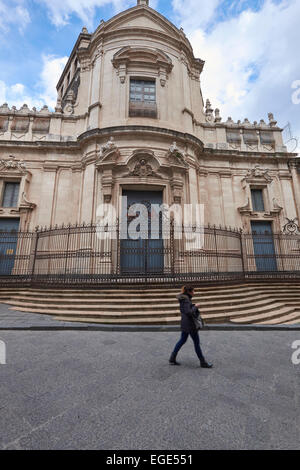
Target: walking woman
(189,312)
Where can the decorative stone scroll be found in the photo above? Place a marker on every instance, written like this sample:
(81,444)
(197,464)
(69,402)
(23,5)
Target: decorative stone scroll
(25,203)
(291,227)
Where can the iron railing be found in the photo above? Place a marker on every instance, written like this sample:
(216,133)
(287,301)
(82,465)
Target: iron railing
(89,255)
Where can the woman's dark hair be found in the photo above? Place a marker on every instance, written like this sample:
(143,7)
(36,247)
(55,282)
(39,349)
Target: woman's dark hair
(187,290)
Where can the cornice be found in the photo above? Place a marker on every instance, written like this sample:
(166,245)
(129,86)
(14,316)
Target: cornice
(180,136)
(239,154)
(39,144)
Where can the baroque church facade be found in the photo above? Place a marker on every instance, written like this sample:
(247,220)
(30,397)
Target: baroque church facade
(131,120)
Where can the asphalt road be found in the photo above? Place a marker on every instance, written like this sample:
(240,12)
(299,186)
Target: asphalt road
(115,390)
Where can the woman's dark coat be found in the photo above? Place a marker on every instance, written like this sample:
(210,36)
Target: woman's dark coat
(188,313)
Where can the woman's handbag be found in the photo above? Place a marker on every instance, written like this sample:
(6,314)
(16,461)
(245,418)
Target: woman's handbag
(199,323)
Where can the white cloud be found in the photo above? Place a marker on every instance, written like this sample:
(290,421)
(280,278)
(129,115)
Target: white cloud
(18,94)
(195,13)
(12,95)
(14,14)
(61,10)
(252,59)
(18,88)
(52,69)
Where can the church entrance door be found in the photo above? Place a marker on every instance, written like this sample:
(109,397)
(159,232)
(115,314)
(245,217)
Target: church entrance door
(144,255)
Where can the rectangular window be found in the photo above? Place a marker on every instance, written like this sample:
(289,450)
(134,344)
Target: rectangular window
(142,90)
(258,204)
(10,194)
(142,101)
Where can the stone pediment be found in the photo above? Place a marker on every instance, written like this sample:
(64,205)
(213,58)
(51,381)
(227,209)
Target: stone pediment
(142,56)
(135,58)
(141,21)
(141,17)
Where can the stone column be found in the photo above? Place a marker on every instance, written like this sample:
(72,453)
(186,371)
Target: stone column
(228,207)
(47,198)
(87,197)
(296,185)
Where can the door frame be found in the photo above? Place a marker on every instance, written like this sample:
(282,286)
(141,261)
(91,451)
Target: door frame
(144,244)
(264,245)
(9,244)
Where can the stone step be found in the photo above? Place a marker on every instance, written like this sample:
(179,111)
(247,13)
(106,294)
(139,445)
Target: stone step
(245,306)
(142,313)
(291,318)
(277,313)
(90,314)
(205,301)
(100,307)
(145,289)
(150,291)
(123,321)
(244,303)
(263,310)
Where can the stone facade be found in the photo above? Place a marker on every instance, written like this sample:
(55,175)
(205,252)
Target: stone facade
(96,144)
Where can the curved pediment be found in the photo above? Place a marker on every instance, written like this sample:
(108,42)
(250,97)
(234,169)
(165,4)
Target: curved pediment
(142,56)
(140,17)
(146,22)
(133,59)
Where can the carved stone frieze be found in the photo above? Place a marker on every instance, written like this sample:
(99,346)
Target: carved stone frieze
(12,164)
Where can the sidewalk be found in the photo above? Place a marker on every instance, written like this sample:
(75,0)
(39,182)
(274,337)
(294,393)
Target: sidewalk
(96,390)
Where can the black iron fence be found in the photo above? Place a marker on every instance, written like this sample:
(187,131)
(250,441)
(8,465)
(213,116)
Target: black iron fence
(90,255)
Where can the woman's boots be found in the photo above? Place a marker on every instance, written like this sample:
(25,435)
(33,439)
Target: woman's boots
(173,361)
(205,365)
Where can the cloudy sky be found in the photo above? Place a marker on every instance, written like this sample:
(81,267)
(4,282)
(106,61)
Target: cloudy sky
(251,49)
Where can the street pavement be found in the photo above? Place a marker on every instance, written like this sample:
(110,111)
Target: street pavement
(115,390)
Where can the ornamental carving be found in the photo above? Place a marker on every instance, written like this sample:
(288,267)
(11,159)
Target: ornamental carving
(12,164)
(176,156)
(143,169)
(291,227)
(258,173)
(25,203)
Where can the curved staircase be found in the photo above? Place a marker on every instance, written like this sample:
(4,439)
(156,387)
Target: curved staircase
(255,303)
